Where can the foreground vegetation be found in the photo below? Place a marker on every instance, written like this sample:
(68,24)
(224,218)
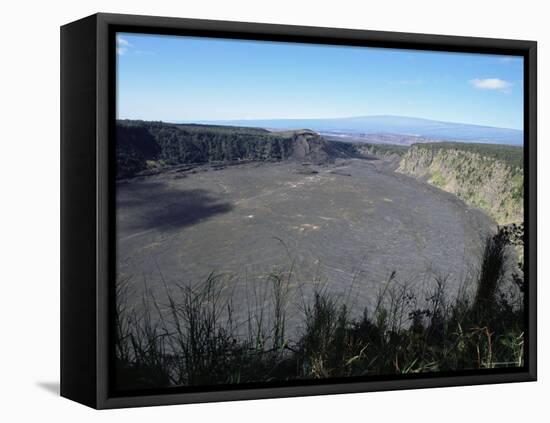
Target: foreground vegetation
(192,338)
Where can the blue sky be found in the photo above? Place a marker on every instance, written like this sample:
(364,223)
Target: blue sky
(174,78)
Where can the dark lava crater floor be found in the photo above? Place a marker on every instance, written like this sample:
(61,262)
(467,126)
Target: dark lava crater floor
(344,226)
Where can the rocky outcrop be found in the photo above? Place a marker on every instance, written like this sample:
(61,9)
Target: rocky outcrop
(307,146)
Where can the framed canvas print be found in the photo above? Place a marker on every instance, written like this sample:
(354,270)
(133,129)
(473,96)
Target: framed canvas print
(255,211)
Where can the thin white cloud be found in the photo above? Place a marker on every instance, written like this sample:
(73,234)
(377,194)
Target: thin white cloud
(122,45)
(495,84)
(122,42)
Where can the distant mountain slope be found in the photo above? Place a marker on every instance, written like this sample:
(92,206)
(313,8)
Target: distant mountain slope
(434,130)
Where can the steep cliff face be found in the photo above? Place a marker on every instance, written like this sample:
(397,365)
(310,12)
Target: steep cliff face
(140,145)
(492,182)
(307,146)
(390,153)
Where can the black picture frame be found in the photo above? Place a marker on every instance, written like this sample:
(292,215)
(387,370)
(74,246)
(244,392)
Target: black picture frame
(87,203)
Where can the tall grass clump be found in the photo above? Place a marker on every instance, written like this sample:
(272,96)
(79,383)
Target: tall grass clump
(192,337)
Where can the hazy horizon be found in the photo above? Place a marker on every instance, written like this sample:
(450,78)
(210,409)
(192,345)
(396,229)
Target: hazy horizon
(191,79)
(206,121)
(328,118)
